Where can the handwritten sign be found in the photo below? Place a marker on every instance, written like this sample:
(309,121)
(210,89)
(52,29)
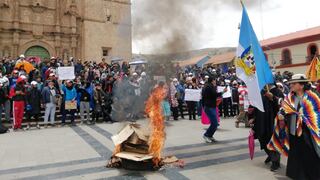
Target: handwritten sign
(66,73)
(192,95)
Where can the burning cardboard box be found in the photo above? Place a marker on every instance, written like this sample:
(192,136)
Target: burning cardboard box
(132,149)
(140,149)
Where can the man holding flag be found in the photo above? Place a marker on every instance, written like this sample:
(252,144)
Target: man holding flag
(253,69)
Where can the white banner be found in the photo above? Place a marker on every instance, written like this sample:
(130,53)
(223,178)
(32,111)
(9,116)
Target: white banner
(192,95)
(66,73)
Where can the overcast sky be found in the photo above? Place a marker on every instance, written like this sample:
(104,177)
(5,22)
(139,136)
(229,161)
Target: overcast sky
(220,21)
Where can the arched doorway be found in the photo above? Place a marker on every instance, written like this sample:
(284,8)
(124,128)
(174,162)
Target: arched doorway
(38,51)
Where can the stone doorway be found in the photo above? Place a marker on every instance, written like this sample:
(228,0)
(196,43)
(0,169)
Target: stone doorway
(38,51)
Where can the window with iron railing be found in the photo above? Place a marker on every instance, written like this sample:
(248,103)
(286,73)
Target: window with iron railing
(312,51)
(286,57)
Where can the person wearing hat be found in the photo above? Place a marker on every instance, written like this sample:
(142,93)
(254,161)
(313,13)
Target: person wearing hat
(33,107)
(227,99)
(4,99)
(303,127)
(17,94)
(49,98)
(98,98)
(285,86)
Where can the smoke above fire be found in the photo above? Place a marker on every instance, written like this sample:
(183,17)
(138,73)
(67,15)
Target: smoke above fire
(172,26)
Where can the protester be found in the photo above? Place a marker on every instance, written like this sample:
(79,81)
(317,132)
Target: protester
(243,106)
(99,96)
(69,98)
(235,98)
(4,99)
(264,123)
(209,98)
(33,101)
(180,95)
(173,101)
(49,99)
(85,94)
(191,105)
(227,100)
(304,148)
(18,93)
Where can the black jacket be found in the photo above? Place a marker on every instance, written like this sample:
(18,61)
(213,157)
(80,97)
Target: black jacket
(4,94)
(209,96)
(34,99)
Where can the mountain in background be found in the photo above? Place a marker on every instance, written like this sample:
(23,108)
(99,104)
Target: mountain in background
(181,56)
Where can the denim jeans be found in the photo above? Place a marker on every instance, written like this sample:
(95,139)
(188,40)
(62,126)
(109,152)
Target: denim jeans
(50,111)
(212,115)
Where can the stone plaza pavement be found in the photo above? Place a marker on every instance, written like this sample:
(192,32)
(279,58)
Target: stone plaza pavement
(81,152)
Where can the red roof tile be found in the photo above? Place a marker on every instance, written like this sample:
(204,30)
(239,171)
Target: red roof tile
(222,58)
(291,36)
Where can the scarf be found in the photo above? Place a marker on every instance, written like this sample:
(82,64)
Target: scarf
(309,114)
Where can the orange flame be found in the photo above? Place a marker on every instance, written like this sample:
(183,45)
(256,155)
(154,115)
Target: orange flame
(154,111)
(117,149)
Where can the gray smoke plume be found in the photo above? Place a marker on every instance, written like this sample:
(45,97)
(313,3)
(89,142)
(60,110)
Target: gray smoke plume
(175,25)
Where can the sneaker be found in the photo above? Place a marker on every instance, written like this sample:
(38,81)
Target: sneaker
(38,126)
(207,139)
(213,139)
(28,127)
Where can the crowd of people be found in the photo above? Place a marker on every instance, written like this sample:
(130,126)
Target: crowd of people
(114,92)
(102,90)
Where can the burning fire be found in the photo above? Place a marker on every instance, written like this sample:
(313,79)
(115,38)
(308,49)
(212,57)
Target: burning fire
(154,111)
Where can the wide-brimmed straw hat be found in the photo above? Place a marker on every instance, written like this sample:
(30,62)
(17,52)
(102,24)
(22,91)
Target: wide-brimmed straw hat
(298,78)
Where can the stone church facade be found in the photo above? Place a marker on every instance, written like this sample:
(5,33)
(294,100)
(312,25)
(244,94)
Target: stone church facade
(85,29)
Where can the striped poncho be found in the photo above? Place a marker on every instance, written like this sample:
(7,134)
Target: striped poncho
(309,114)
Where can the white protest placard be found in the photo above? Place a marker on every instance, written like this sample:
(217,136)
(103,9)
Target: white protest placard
(66,73)
(220,89)
(192,95)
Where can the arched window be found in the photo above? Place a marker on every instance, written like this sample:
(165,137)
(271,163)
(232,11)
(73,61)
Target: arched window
(312,52)
(286,57)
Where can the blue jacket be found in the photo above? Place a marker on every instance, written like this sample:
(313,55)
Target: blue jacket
(69,94)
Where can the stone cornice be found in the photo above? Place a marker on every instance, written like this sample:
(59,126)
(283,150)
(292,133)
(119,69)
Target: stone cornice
(119,2)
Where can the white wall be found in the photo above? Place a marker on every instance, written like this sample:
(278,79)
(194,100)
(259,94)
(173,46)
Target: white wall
(298,54)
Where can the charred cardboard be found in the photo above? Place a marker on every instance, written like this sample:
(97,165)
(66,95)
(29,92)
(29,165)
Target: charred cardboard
(133,156)
(134,143)
(127,132)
